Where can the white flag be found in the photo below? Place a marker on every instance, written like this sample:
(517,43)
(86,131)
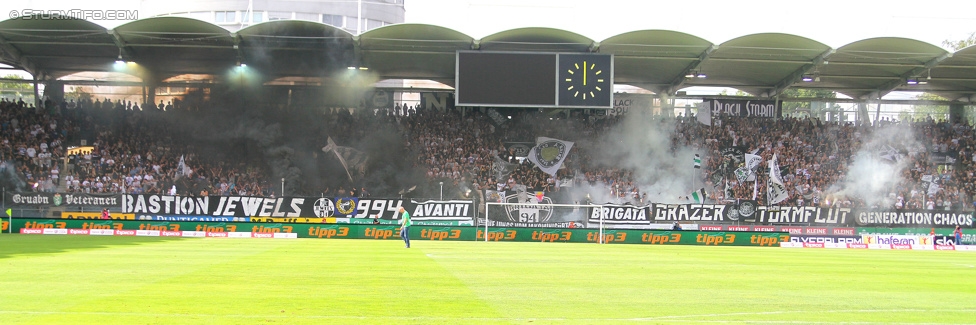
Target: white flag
(549,154)
(182,169)
(753,161)
(704,115)
(775,190)
(351,159)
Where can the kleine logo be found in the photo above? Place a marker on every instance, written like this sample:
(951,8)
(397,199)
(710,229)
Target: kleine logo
(764,228)
(793,230)
(816,231)
(844,231)
(738,228)
(710,228)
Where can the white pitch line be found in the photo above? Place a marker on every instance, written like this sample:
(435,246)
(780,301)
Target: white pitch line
(675,318)
(808,322)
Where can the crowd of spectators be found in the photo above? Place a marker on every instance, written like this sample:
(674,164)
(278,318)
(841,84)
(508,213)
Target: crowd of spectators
(472,149)
(125,152)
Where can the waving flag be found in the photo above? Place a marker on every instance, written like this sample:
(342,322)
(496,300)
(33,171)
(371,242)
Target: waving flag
(549,154)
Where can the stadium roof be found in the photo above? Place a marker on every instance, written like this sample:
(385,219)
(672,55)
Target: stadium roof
(658,60)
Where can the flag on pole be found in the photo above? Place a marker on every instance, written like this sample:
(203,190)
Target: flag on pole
(697,161)
(351,159)
(728,190)
(502,168)
(699,195)
(182,169)
(10,213)
(775,190)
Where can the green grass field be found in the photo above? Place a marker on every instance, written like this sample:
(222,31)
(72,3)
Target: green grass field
(142,280)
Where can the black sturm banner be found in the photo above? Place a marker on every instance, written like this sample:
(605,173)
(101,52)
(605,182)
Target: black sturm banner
(745,108)
(63,199)
(296,207)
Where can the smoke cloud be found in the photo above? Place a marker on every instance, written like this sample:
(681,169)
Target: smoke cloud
(871,176)
(642,143)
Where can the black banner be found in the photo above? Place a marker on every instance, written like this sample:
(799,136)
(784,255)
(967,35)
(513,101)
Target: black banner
(526,211)
(63,199)
(926,218)
(620,215)
(745,108)
(772,215)
(438,101)
(296,207)
(690,212)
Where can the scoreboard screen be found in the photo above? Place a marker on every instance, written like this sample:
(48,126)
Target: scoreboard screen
(512,79)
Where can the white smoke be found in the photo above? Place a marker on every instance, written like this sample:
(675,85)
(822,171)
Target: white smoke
(872,177)
(642,143)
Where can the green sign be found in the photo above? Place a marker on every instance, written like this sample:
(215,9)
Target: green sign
(392,231)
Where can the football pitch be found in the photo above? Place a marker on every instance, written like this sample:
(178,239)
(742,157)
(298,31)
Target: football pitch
(152,280)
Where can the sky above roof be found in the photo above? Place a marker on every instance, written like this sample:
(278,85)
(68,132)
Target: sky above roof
(832,22)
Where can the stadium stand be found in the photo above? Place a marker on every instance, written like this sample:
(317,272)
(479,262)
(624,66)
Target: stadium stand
(140,151)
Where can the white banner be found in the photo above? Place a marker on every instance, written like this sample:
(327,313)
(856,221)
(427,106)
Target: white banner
(623,103)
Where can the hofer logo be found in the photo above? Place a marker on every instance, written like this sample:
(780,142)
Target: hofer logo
(892,239)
